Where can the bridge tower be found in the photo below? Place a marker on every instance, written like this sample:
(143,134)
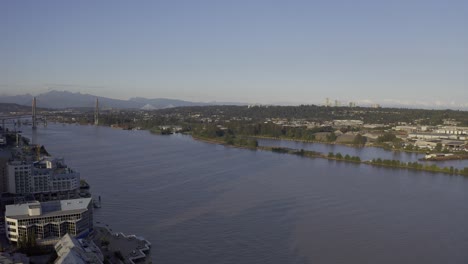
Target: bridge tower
(34,121)
(96,113)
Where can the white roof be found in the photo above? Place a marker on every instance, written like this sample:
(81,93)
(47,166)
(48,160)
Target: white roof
(48,207)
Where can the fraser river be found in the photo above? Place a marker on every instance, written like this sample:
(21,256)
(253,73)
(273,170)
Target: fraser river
(204,203)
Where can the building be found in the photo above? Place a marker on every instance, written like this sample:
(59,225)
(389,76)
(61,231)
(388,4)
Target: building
(409,129)
(431,136)
(77,251)
(454,145)
(53,175)
(19,177)
(452,130)
(423,144)
(346,123)
(47,222)
(4,157)
(45,176)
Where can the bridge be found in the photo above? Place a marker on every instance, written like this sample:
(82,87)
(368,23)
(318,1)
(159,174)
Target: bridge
(38,118)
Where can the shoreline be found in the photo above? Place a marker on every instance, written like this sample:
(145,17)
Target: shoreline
(313,154)
(219,142)
(367,145)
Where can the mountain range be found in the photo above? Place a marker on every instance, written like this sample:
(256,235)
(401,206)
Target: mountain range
(64,99)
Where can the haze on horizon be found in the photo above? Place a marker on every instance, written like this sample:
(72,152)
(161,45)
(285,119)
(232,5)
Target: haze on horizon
(387,52)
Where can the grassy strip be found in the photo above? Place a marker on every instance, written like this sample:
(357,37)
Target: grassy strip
(248,143)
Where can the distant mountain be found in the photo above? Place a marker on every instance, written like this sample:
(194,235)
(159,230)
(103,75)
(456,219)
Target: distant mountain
(160,103)
(65,99)
(6,108)
(25,99)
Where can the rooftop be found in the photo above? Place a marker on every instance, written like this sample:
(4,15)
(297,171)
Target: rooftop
(51,208)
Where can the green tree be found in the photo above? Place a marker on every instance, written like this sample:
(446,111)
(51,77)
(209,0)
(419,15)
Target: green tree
(386,137)
(359,140)
(409,147)
(331,137)
(229,139)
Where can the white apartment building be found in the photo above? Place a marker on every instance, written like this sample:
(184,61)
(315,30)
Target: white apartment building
(45,176)
(19,177)
(4,157)
(47,222)
(53,175)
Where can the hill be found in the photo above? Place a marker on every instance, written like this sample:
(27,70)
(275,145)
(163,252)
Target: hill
(7,108)
(64,99)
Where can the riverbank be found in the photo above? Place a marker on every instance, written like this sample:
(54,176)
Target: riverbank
(215,194)
(222,142)
(366,145)
(444,157)
(351,159)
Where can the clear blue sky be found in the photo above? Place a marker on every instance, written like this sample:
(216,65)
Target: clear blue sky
(249,51)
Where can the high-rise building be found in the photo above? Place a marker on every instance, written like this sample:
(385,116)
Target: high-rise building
(19,177)
(4,156)
(44,176)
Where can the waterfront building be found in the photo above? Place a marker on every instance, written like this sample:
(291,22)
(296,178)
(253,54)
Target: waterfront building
(47,222)
(4,156)
(45,176)
(52,175)
(19,177)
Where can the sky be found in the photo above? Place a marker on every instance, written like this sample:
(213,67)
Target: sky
(389,52)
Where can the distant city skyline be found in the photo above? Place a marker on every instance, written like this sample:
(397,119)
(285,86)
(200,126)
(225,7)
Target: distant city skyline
(408,53)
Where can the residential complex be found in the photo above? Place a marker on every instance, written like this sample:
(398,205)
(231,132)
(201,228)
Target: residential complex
(46,175)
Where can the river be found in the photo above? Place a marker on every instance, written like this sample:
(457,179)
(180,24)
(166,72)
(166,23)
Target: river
(203,203)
